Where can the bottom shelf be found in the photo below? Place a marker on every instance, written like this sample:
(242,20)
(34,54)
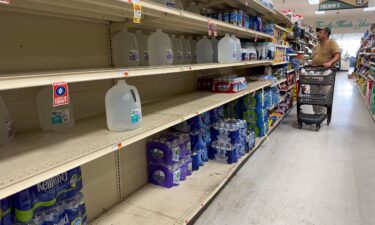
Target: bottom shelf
(178,205)
(364,100)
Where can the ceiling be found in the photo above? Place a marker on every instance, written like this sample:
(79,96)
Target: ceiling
(308,11)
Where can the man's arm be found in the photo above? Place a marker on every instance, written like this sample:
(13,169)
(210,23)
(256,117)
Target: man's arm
(333,61)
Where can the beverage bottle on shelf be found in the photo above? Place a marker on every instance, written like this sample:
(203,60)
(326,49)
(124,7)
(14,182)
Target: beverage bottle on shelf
(226,50)
(53,118)
(143,48)
(193,46)
(204,50)
(7,130)
(178,53)
(186,49)
(125,49)
(238,48)
(123,107)
(160,49)
(215,46)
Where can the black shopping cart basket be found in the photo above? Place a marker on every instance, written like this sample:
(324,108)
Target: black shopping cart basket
(319,77)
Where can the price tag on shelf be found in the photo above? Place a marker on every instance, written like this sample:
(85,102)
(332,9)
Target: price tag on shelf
(186,68)
(124,73)
(6,2)
(60,94)
(117,147)
(210,28)
(215,30)
(137,9)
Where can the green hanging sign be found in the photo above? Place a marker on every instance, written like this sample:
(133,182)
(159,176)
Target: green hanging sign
(342,4)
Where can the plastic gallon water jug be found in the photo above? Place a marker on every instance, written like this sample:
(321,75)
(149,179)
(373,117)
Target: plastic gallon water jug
(186,49)
(123,107)
(125,49)
(178,52)
(53,118)
(193,46)
(160,49)
(143,48)
(215,46)
(204,50)
(227,50)
(6,124)
(238,48)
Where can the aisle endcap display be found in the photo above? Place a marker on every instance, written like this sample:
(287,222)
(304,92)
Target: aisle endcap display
(36,151)
(23,80)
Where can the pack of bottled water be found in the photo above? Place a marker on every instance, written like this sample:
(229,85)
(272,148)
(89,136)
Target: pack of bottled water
(6,216)
(230,140)
(56,201)
(169,159)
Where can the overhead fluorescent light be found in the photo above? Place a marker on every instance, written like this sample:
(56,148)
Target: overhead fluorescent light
(320,12)
(369,9)
(313,2)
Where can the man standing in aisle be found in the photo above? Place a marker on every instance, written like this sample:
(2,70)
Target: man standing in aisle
(327,54)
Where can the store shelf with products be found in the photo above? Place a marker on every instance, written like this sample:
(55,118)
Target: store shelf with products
(157,16)
(13,81)
(253,7)
(290,71)
(364,100)
(367,53)
(50,153)
(180,204)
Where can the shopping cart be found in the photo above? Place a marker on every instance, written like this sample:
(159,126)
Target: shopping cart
(318,76)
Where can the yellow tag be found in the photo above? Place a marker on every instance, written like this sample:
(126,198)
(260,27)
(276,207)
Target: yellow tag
(137,8)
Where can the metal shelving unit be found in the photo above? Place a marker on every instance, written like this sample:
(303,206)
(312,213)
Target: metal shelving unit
(35,155)
(180,204)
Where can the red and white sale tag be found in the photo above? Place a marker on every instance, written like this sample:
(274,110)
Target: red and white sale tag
(60,94)
(7,2)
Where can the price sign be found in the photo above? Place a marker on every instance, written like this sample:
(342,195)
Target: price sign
(117,146)
(137,9)
(60,94)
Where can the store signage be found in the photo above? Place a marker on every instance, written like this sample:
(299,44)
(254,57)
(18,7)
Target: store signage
(342,4)
(60,94)
(356,25)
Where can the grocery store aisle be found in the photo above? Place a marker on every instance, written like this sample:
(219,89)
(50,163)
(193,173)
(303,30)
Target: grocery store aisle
(304,177)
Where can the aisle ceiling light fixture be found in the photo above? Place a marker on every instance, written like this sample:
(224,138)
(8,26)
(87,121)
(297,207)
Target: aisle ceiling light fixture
(369,9)
(313,2)
(320,12)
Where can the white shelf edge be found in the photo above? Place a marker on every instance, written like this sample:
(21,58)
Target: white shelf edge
(281,46)
(23,80)
(282,29)
(158,116)
(279,82)
(289,71)
(279,63)
(190,211)
(292,54)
